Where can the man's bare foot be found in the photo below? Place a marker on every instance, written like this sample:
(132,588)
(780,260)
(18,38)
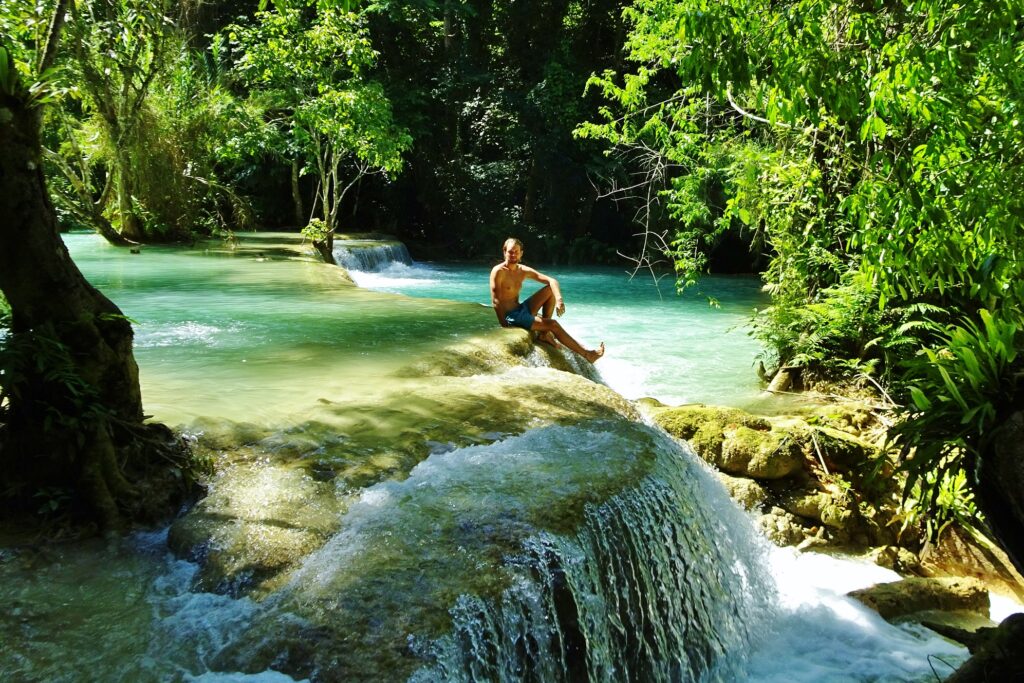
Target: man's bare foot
(592,356)
(547,338)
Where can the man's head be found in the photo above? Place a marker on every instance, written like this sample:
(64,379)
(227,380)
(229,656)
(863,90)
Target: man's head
(512,249)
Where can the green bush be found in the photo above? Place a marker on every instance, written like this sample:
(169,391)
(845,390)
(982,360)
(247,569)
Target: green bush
(957,395)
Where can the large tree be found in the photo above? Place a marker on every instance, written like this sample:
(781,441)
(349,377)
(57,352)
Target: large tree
(71,418)
(330,121)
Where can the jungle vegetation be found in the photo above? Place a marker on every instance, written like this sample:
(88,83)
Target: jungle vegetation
(863,156)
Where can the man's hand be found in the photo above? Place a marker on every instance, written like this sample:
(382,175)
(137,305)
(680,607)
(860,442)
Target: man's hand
(559,307)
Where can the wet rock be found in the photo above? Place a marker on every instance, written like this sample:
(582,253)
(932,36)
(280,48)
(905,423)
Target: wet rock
(786,379)
(759,454)
(957,553)
(916,594)
(897,559)
(487,354)
(747,492)
(257,522)
(998,657)
(279,496)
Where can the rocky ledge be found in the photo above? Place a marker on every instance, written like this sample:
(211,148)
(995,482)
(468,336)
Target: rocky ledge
(820,480)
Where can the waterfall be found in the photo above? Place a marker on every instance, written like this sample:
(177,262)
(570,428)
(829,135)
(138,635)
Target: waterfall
(370,255)
(661,583)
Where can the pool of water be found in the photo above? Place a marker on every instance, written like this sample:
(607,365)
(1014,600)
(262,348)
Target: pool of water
(676,348)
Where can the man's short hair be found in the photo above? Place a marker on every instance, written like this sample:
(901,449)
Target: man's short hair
(511,242)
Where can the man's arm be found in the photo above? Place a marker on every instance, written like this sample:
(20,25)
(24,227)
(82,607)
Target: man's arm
(551,282)
(494,295)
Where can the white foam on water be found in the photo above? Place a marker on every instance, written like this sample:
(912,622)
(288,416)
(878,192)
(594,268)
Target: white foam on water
(267,676)
(822,635)
(1001,607)
(395,277)
(187,333)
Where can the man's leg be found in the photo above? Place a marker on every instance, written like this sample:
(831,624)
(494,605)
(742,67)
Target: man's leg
(543,299)
(546,325)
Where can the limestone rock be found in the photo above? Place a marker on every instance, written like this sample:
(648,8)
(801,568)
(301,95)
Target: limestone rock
(759,454)
(788,377)
(897,559)
(956,553)
(782,528)
(805,503)
(705,426)
(900,598)
(747,492)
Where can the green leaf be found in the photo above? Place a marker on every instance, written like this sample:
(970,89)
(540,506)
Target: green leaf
(920,400)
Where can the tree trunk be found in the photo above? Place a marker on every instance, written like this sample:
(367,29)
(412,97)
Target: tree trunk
(325,247)
(1001,488)
(130,227)
(300,212)
(79,430)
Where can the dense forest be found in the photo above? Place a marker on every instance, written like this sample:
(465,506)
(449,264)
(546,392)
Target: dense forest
(863,157)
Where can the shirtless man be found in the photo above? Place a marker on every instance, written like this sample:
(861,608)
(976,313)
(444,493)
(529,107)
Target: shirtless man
(506,283)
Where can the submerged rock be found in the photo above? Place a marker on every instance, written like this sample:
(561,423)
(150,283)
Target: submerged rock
(916,594)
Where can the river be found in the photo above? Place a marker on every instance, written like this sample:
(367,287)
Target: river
(405,493)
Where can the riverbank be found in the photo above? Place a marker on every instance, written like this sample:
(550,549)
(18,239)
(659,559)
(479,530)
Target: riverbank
(819,479)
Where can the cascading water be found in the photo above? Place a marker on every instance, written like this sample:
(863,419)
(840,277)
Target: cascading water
(370,255)
(601,552)
(546,536)
(659,584)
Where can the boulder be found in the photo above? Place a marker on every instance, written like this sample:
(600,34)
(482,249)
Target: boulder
(759,454)
(747,492)
(897,559)
(1001,487)
(917,594)
(998,657)
(956,553)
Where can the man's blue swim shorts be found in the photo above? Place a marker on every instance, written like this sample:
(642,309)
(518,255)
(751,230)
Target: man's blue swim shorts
(520,317)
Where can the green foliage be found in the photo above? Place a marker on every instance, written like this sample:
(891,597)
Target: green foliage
(947,498)
(869,148)
(958,394)
(310,78)
(316,231)
(38,359)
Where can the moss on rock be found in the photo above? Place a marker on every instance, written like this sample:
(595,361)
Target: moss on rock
(759,454)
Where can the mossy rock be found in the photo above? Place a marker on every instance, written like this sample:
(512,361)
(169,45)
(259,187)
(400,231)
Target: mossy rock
(748,493)
(260,519)
(844,452)
(782,528)
(705,427)
(807,504)
(760,454)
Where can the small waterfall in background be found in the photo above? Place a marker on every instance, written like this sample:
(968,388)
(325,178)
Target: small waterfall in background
(370,256)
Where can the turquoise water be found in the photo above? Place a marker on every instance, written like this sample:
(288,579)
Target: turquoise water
(678,349)
(259,330)
(431,492)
